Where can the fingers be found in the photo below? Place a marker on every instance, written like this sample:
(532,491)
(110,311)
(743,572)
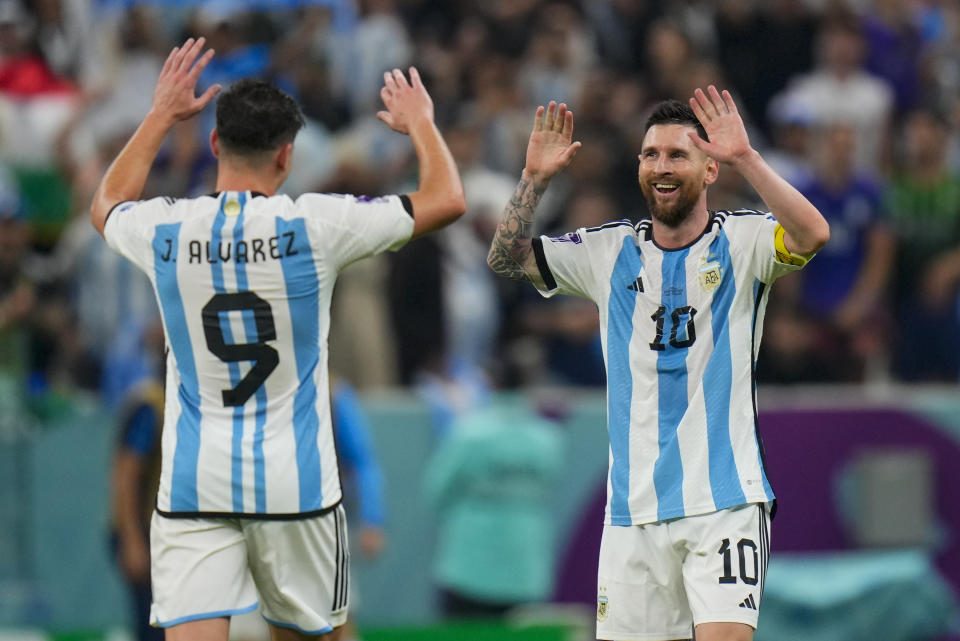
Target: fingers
(567,128)
(699,142)
(415,80)
(712,104)
(208,95)
(201,65)
(728,100)
(389,82)
(386,117)
(561,117)
(571,152)
(386,96)
(400,79)
(698,111)
(538,119)
(717,100)
(551,116)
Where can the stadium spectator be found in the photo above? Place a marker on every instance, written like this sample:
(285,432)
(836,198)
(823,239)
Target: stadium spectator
(491,481)
(842,294)
(923,206)
(840,89)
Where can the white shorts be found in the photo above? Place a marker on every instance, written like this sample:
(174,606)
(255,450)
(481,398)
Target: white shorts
(216,567)
(657,581)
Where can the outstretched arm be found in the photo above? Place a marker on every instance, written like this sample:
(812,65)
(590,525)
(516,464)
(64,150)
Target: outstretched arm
(439,198)
(549,150)
(174,99)
(806,230)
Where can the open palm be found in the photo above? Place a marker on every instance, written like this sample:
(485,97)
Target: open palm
(550,148)
(719,116)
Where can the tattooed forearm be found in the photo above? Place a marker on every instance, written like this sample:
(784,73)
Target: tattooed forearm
(511,253)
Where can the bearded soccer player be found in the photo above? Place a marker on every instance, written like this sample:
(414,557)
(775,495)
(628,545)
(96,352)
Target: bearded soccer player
(248,509)
(681,298)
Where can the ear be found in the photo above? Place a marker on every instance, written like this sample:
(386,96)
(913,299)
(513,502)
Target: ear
(214,143)
(284,157)
(712,173)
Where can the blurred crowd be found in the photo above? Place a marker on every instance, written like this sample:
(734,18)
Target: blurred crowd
(855,102)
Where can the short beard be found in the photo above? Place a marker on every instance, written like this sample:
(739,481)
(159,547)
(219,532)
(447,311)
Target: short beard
(670,215)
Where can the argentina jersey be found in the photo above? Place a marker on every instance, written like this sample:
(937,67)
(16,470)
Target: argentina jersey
(244,283)
(680,331)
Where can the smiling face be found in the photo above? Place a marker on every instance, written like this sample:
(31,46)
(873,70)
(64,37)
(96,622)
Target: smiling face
(673,173)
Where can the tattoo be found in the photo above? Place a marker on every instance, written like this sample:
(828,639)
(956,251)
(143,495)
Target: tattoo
(512,244)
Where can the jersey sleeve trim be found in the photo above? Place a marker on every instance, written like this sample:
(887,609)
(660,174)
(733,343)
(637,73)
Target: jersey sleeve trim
(407,204)
(112,209)
(783,254)
(545,273)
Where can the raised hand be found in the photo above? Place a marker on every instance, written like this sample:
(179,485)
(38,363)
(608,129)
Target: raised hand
(175,95)
(406,102)
(550,148)
(720,118)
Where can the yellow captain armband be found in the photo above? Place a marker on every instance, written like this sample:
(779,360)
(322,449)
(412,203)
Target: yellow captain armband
(783,254)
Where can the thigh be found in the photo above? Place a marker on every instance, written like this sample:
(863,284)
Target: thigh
(301,569)
(640,586)
(726,563)
(199,570)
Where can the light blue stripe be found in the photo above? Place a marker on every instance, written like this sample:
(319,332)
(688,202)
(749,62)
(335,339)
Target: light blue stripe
(216,268)
(718,385)
(302,284)
(207,615)
(621,307)
(763,470)
(183,487)
(250,327)
(292,626)
(672,390)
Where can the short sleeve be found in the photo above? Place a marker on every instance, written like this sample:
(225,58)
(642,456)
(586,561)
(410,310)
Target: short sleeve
(126,227)
(570,264)
(769,257)
(354,227)
(564,264)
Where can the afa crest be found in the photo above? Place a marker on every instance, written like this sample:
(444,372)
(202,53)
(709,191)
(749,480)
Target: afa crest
(710,274)
(603,606)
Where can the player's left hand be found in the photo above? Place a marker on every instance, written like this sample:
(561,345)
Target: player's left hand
(720,118)
(175,95)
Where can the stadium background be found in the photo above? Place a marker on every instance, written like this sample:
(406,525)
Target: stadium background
(855,102)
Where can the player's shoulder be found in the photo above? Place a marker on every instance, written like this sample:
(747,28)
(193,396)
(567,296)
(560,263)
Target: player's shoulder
(732,219)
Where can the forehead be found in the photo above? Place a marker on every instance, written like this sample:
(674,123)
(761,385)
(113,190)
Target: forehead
(669,136)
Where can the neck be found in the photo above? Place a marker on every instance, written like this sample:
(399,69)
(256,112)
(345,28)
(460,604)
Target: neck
(686,232)
(233,178)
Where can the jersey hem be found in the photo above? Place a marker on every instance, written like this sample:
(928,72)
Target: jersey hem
(626,520)
(275,516)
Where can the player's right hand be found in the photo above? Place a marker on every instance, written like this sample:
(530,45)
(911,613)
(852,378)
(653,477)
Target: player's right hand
(175,95)
(550,148)
(407,103)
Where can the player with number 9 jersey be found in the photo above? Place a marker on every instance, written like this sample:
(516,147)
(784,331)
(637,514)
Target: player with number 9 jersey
(249,512)
(244,284)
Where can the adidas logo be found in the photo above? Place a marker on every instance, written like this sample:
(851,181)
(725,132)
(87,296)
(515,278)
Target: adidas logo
(749,603)
(636,286)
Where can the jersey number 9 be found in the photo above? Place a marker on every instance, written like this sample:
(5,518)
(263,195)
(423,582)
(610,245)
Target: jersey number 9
(264,357)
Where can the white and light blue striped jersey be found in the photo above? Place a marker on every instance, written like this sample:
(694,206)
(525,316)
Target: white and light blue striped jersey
(244,283)
(680,331)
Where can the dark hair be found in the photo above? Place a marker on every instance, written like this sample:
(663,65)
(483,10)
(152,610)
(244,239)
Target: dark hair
(254,116)
(674,112)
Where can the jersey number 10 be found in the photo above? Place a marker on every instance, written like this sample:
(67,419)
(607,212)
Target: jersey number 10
(677,317)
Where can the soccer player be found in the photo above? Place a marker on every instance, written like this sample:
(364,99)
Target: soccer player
(248,507)
(681,298)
